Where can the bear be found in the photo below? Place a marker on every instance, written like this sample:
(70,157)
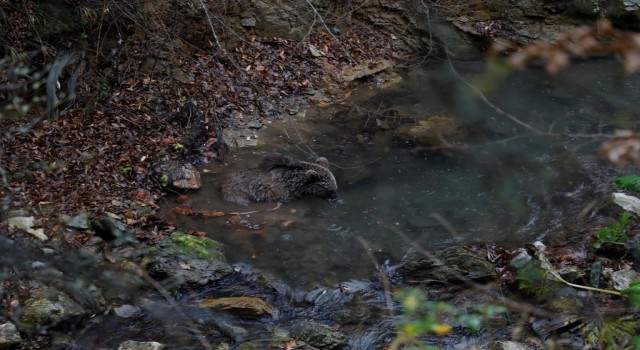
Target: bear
(281,179)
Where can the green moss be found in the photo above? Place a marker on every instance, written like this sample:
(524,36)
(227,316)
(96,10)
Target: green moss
(533,280)
(630,182)
(201,247)
(610,333)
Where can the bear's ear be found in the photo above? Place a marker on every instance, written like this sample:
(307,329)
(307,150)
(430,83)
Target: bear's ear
(311,176)
(322,161)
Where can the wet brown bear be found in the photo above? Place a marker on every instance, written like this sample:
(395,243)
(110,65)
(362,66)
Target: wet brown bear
(280,179)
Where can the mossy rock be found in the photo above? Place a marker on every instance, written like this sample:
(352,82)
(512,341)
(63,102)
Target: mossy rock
(50,307)
(184,260)
(447,265)
(319,335)
(534,280)
(199,247)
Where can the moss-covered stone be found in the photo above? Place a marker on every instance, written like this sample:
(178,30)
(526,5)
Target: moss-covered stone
(200,247)
(319,335)
(184,259)
(534,280)
(50,307)
(447,265)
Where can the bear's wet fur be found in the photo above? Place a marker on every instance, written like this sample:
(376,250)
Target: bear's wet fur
(280,179)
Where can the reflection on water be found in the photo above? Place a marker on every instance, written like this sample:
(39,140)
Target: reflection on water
(513,185)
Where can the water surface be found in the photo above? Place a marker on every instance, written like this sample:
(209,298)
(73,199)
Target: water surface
(516,181)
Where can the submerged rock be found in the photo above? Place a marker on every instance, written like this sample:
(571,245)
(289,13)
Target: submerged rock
(242,306)
(126,311)
(439,132)
(140,345)
(319,335)
(275,343)
(506,345)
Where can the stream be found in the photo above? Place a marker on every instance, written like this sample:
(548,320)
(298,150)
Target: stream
(514,181)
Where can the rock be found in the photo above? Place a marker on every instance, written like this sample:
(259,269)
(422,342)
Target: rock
(50,307)
(279,21)
(594,276)
(109,227)
(315,52)
(447,266)
(254,124)
(126,311)
(178,175)
(319,335)
(571,273)
(275,343)
(440,133)
(200,247)
(521,259)
(506,345)
(79,222)
(621,279)
(26,224)
(185,260)
(364,69)
(240,138)
(627,202)
(456,43)
(9,336)
(140,345)
(242,306)
(248,22)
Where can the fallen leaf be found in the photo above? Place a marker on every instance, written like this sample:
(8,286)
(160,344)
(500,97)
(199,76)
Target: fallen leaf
(182,211)
(182,199)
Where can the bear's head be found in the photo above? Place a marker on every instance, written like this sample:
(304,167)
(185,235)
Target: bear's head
(319,181)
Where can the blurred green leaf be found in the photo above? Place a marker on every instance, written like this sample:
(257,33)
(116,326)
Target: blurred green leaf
(630,182)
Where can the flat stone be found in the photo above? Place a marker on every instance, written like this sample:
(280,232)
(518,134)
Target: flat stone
(364,69)
(79,222)
(140,345)
(242,306)
(26,223)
